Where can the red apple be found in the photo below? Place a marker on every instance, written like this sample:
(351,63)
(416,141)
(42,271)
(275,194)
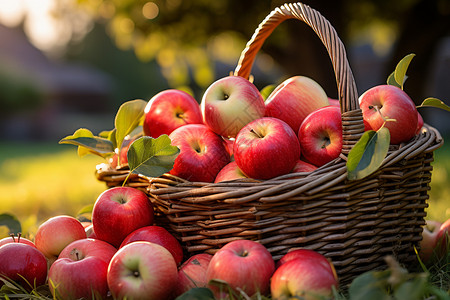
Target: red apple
(243,264)
(303,278)
(429,239)
(307,254)
(23,264)
(443,239)
(90,231)
(419,123)
(119,211)
(229,145)
(202,153)
(303,166)
(230,103)
(56,233)
(229,172)
(157,235)
(142,270)
(320,135)
(16,239)
(192,273)
(169,110)
(294,99)
(334,102)
(390,102)
(265,148)
(80,270)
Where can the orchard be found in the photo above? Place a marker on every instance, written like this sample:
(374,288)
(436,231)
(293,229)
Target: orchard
(137,243)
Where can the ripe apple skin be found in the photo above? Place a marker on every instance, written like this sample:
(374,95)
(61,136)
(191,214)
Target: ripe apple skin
(119,211)
(242,264)
(16,239)
(229,172)
(157,235)
(429,239)
(419,123)
(56,233)
(303,277)
(169,110)
(303,166)
(142,270)
(393,103)
(265,148)
(320,135)
(19,260)
(334,102)
(192,273)
(202,153)
(230,103)
(443,239)
(80,270)
(294,99)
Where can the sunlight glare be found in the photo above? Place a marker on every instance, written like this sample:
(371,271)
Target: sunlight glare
(12,12)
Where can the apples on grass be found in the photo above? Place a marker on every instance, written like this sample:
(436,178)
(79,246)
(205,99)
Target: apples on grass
(429,239)
(142,270)
(192,273)
(243,264)
(169,110)
(320,135)
(23,264)
(230,103)
(119,211)
(202,153)
(158,235)
(294,99)
(56,233)
(384,102)
(266,148)
(80,270)
(304,279)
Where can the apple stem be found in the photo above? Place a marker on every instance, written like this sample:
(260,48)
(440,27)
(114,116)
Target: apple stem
(256,133)
(18,237)
(13,237)
(385,119)
(326,142)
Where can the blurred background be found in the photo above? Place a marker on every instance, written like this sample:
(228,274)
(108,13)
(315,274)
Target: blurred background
(67,64)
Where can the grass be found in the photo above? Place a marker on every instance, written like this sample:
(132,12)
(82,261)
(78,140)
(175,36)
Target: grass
(41,180)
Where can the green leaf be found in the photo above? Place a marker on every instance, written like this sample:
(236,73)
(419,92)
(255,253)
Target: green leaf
(368,153)
(414,289)
(198,293)
(434,102)
(370,286)
(267,90)
(88,143)
(152,157)
(128,117)
(400,71)
(11,222)
(87,209)
(391,80)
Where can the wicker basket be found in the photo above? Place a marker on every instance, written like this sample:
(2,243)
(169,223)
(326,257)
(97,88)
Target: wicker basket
(354,223)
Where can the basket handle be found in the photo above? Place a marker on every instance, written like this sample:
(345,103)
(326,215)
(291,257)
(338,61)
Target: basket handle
(352,122)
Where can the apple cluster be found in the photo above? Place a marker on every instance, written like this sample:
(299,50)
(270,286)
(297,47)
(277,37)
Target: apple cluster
(235,133)
(123,255)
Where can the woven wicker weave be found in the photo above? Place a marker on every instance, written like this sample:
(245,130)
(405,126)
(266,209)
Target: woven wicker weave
(354,223)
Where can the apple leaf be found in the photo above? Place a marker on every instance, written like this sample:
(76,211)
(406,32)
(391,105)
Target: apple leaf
(434,102)
(398,77)
(391,80)
(197,293)
(152,157)
(11,222)
(267,90)
(370,286)
(88,143)
(368,153)
(128,117)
